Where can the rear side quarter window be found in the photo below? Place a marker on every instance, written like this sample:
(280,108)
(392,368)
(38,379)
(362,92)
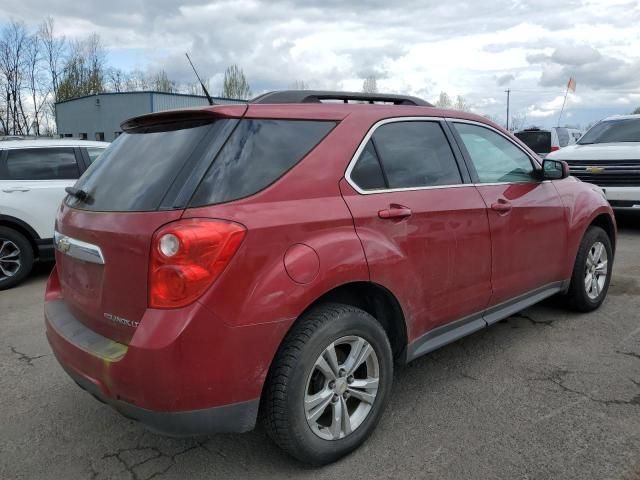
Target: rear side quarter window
(258,153)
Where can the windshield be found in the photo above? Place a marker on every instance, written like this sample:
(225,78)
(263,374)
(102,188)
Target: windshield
(610,131)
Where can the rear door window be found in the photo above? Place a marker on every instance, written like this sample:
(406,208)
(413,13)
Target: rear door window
(416,154)
(258,153)
(40,164)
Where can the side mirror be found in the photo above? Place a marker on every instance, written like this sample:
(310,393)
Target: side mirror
(555,169)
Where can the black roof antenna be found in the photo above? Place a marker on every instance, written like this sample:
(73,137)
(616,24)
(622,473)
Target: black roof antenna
(204,89)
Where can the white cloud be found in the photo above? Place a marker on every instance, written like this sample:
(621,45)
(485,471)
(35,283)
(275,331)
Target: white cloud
(474,49)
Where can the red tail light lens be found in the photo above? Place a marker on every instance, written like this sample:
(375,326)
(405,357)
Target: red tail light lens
(187,256)
(555,148)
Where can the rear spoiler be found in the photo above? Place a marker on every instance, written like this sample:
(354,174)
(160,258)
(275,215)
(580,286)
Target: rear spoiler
(183,118)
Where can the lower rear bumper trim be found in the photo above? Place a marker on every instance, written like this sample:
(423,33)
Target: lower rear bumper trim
(233,418)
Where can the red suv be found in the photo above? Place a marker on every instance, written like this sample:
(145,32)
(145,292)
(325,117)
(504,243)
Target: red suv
(276,259)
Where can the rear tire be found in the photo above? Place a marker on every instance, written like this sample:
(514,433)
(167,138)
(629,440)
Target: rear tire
(16,258)
(591,272)
(333,372)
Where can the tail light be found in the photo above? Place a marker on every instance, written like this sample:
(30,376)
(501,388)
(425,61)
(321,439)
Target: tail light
(187,256)
(555,148)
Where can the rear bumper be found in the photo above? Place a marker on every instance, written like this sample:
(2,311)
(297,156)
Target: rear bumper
(238,417)
(168,390)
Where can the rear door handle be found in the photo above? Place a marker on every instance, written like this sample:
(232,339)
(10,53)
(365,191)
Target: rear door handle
(15,189)
(501,206)
(395,211)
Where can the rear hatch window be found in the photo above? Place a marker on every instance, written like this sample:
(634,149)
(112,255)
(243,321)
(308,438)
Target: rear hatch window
(207,163)
(538,141)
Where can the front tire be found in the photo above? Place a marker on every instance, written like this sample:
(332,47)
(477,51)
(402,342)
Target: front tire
(16,258)
(329,384)
(592,271)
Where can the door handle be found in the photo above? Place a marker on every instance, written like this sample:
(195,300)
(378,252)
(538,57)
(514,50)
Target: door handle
(501,206)
(15,189)
(395,211)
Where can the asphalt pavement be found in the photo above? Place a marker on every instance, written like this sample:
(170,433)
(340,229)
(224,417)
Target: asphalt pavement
(545,394)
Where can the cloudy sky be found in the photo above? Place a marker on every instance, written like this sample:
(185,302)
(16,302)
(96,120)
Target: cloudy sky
(476,49)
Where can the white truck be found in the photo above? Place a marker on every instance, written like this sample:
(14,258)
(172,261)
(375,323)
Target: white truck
(608,155)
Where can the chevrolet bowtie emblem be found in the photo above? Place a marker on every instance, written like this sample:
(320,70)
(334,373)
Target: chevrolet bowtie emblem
(595,169)
(64,245)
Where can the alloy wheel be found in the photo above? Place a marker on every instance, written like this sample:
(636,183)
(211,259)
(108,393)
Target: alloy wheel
(9,259)
(342,388)
(596,269)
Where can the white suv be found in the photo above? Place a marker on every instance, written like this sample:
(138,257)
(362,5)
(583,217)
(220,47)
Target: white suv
(33,176)
(608,155)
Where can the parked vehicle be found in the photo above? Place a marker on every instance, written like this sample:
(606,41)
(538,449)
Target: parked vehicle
(544,142)
(608,155)
(33,176)
(279,257)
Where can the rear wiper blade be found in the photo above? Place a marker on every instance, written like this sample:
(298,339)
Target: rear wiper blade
(78,193)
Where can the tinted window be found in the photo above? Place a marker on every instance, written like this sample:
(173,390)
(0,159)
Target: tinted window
(94,153)
(41,164)
(538,141)
(623,130)
(257,154)
(416,154)
(137,169)
(367,173)
(494,157)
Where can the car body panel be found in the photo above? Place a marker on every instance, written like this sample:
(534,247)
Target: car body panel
(218,350)
(535,223)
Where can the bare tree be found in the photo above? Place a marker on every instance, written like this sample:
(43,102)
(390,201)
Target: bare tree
(54,50)
(636,111)
(518,121)
(370,84)
(444,101)
(84,70)
(37,84)
(299,85)
(115,80)
(235,84)
(13,43)
(160,82)
(461,104)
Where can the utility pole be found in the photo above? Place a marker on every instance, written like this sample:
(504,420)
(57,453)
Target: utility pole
(508,92)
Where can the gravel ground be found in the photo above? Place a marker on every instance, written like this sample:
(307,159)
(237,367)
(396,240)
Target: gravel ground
(545,394)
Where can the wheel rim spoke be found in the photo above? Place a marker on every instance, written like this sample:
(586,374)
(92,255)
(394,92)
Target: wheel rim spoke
(325,368)
(365,383)
(317,406)
(342,387)
(336,420)
(360,395)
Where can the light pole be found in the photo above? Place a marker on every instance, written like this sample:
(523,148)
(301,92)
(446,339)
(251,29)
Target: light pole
(508,92)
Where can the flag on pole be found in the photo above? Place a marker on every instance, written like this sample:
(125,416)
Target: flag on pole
(572,84)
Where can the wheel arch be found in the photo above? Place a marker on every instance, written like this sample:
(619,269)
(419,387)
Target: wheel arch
(23,228)
(605,222)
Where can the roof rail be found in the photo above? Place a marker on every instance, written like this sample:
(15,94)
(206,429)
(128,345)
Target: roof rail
(316,96)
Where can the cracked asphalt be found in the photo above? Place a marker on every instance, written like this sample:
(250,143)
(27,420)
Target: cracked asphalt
(545,394)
